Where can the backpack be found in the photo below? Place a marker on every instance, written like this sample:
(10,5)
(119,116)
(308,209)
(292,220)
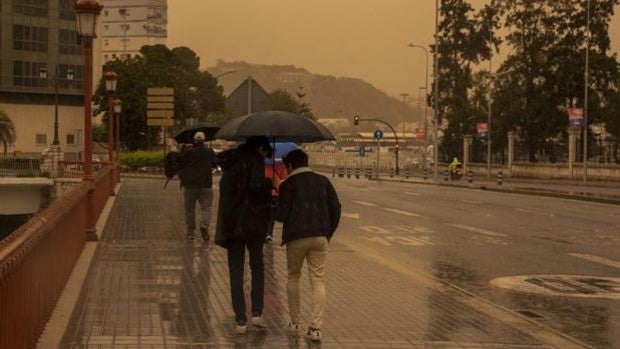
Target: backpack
(172,164)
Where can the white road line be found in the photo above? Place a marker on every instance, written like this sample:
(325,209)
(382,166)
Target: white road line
(478,230)
(472,202)
(364,203)
(597,259)
(351,215)
(404,213)
(412,194)
(548,214)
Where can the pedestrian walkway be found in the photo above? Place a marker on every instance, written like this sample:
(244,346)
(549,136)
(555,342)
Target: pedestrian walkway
(149,288)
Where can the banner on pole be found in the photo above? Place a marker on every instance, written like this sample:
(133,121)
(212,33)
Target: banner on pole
(482,129)
(575,116)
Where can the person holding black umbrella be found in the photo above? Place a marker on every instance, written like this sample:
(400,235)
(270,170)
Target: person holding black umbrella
(243,221)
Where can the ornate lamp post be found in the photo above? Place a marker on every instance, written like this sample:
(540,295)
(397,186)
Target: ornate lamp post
(118,108)
(55,82)
(87,13)
(111,80)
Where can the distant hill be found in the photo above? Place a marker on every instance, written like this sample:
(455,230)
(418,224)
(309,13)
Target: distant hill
(330,97)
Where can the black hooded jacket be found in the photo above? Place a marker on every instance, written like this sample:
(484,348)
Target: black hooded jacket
(244,207)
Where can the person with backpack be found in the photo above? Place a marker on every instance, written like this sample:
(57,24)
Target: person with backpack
(310,210)
(195,170)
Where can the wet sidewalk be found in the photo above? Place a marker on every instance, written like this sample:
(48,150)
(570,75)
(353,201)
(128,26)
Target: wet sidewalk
(149,288)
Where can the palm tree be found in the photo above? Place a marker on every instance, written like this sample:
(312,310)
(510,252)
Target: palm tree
(7,130)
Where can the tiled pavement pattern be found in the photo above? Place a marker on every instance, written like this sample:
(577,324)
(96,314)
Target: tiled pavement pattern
(148,288)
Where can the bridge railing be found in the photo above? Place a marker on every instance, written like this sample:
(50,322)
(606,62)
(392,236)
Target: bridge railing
(37,259)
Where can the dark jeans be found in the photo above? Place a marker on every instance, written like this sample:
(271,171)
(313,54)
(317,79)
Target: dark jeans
(236,262)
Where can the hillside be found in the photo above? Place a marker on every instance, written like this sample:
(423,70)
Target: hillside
(330,97)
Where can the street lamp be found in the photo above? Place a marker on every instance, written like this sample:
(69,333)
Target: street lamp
(87,13)
(118,108)
(426,113)
(586,97)
(43,74)
(111,80)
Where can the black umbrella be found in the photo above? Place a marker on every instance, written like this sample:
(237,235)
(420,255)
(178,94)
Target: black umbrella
(277,126)
(186,135)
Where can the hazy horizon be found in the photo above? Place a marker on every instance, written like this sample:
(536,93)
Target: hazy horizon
(337,38)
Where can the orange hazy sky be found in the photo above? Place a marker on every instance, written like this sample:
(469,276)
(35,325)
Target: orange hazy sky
(357,38)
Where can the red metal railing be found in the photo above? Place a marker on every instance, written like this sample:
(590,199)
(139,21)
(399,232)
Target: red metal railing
(37,259)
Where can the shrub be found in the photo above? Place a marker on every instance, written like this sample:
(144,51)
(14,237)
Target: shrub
(140,159)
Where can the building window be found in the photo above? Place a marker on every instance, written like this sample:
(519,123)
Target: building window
(27,74)
(41,139)
(105,13)
(70,42)
(66,10)
(71,139)
(106,27)
(27,38)
(35,8)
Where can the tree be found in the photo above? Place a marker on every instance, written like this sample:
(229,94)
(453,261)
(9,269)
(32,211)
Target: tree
(7,131)
(196,93)
(304,108)
(282,100)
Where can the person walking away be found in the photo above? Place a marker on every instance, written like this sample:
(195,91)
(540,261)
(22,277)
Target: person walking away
(310,210)
(196,176)
(276,172)
(242,223)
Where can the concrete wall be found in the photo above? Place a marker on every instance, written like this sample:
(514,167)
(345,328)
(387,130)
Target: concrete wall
(32,119)
(602,172)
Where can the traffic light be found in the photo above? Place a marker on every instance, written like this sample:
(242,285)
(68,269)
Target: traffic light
(356,120)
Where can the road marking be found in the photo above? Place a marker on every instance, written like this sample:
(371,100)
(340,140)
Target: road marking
(378,240)
(472,202)
(548,214)
(351,215)
(404,213)
(478,230)
(412,194)
(364,203)
(597,259)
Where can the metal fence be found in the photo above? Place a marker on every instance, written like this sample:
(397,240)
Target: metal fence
(20,167)
(37,259)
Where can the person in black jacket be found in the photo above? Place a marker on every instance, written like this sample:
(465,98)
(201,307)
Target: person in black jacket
(310,210)
(243,220)
(196,175)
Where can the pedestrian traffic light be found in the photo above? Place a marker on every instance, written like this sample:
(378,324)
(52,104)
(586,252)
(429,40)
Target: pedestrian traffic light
(356,120)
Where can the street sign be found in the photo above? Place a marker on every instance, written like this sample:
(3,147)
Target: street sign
(482,128)
(160,107)
(362,150)
(378,135)
(160,122)
(575,116)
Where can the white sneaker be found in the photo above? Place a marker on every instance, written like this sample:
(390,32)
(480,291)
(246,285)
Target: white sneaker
(241,328)
(294,329)
(313,334)
(259,323)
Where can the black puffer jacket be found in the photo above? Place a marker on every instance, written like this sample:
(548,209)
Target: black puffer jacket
(244,207)
(197,167)
(308,206)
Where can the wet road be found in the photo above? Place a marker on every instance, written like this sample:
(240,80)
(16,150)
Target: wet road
(566,251)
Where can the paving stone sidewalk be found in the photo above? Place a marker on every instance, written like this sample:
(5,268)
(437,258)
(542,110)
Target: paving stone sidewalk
(149,288)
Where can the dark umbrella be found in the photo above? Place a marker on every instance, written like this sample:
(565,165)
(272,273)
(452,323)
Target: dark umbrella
(186,135)
(278,126)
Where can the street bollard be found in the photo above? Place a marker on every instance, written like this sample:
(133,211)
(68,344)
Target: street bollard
(391,173)
(470,176)
(425,173)
(369,173)
(500,178)
(407,173)
(445,175)
(334,172)
(348,173)
(340,172)
(357,173)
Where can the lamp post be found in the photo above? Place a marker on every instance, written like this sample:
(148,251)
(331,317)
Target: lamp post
(586,97)
(87,13)
(43,74)
(420,102)
(118,108)
(426,109)
(111,80)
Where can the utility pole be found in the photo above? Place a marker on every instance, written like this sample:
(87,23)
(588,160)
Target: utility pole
(436,95)
(405,96)
(585,98)
(489,98)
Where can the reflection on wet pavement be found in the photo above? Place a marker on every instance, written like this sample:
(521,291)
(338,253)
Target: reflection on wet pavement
(148,288)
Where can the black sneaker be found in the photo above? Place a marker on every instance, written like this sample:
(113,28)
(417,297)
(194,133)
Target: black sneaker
(204,230)
(268,239)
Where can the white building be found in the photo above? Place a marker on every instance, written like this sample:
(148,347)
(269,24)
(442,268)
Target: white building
(130,24)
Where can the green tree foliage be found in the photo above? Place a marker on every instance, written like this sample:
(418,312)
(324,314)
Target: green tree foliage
(545,67)
(7,131)
(197,93)
(282,100)
(304,108)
